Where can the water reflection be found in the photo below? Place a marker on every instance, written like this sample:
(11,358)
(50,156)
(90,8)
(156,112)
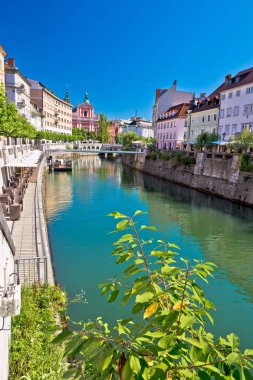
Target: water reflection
(58,193)
(222,228)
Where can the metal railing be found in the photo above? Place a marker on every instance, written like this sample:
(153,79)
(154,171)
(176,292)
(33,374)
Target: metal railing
(32,270)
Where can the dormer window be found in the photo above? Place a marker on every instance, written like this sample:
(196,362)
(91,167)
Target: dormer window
(230,81)
(237,79)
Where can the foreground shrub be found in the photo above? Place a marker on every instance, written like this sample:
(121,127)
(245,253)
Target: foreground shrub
(165,337)
(31,352)
(246,163)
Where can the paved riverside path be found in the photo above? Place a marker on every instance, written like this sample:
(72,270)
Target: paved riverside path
(27,238)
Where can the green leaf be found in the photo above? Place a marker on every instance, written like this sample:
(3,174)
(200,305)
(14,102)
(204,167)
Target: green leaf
(194,342)
(187,321)
(62,336)
(232,358)
(117,215)
(198,293)
(233,340)
(167,341)
(112,297)
(248,352)
(127,371)
(170,319)
(139,212)
(137,308)
(73,344)
(69,374)
(144,297)
(122,225)
(153,228)
(135,364)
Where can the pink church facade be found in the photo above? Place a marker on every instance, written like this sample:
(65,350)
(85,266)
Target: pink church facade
(83,116)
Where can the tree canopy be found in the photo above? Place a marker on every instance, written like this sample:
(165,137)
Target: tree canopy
(103,132)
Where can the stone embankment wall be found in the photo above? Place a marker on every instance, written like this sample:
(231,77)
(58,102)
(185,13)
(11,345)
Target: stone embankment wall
(217,174)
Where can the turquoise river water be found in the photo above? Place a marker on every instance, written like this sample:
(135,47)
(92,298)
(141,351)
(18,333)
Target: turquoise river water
(204,227)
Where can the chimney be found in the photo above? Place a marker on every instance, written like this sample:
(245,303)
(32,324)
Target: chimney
(11,62)
(202,95)
(227,77)
(175,83)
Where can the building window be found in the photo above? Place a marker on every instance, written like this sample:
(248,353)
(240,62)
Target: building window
(227,128)
(221,114)
(214,117)
(249,90)
(236,110)
(230,95)
(203,119)
(229,111)
(234,129)
(248,109)
(247,126)
(223,97)
(237,79)
(238,93)
(214,130)
(208,118)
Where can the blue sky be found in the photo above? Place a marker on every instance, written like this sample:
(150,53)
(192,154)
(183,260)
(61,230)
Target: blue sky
(121,51)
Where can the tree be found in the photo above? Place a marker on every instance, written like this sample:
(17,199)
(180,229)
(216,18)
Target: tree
(103,132)
(79,134)
(3,110)
(165,337)
(206,139)
(128,138)
(91,135)
(244,139)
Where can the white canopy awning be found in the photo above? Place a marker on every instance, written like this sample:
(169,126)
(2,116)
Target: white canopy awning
(29,160)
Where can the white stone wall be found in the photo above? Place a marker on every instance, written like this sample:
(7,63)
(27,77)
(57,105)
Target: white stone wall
(18,91)
(231,125)
(171,133)
(6,268)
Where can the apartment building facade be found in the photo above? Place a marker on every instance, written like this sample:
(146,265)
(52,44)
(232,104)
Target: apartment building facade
(2,66)
(236,104)
(57,113)
(172,127)
(17,88)
(203,115)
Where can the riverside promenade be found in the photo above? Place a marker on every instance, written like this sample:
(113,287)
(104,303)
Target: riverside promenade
(32,263)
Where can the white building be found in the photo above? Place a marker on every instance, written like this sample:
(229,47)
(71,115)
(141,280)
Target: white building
(17,88)
(172,127)
(36,117)
(167,98)
(236,104)
(142,127)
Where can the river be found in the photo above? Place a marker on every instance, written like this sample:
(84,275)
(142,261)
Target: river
(204,227)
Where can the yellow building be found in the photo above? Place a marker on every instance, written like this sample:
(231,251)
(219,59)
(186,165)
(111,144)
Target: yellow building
(2,72)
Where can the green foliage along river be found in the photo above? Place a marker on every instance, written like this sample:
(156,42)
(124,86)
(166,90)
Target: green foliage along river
(204,227)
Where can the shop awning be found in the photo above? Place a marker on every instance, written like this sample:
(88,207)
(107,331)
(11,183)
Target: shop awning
(29,160)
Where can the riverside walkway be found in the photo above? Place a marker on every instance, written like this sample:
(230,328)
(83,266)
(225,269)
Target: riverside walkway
(31,264)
